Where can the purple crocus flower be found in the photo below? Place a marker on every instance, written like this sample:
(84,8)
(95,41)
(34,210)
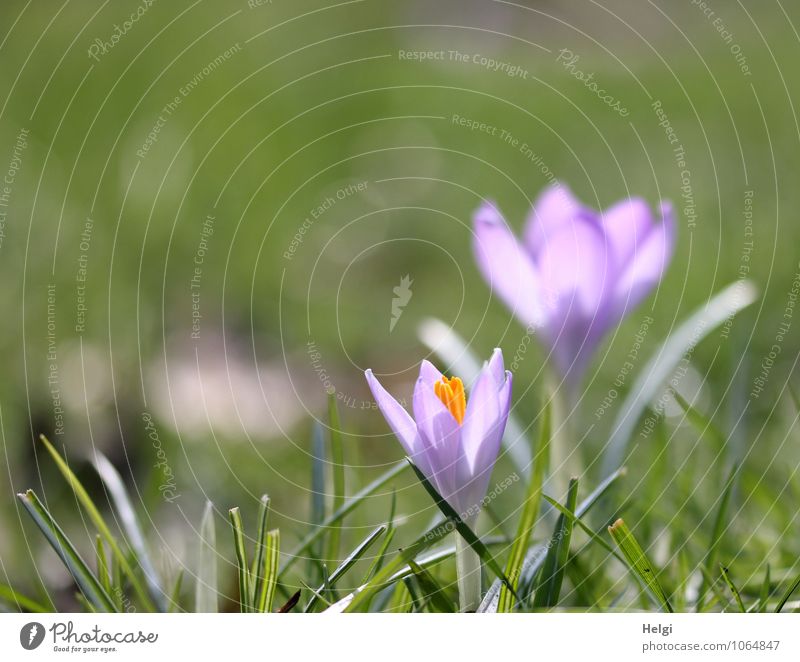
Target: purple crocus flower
(577,272)
(452,441)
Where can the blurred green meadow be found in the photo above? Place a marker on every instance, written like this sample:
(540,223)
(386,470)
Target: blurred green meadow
(205,219)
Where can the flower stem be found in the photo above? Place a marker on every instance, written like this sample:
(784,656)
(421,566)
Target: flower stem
(468,569)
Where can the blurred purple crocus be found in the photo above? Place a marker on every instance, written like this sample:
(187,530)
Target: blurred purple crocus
(453,442)
(577,272)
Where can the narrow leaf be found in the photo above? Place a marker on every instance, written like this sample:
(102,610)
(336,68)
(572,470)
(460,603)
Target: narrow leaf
(766,588)
(241,560)
(272,549)
(461,526)
(261,542)
(387,539)
(205,592)
(530,512)
(638,563)
(89,585)
(99,522)
(586,529)
(435,595)
(175,593)
(348,563)
(552,575)
(103,569)
(318,492)
(337,467)
(535,556)
(787,595)
(736,595)
(703,321)
(130,525)
(341,513)
(23,603)
(359,598)
(716,534)
(701,422)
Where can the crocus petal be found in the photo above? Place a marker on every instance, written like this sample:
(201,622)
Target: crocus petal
(398,418)
(507,267)
(401,423)
(441,435)
(481,434)
(646,267)
(429,373)
(576,269)
(553,209)
(496,366)
(481,419)
(627,225)
(578,273)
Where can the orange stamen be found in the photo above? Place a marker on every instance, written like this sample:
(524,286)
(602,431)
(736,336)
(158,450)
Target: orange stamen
(451,393)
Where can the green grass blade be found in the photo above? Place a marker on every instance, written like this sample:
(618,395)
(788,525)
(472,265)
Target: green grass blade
(468,534)
(437,556)
(535,556)
(586,529)
(380,556)
(378,561)
(103,569)
(651,379)
(432,592)
(261,544)
(245,583)
(130,525)
(600,491)
(89,585)
(357,600)
(272,550)
(701,422)
(175,593)
(118,594)
(99,522)
(387,540)
(454,351)
(735,591)
(530,512)
(337,468)
(766,587)
(716,533)
(638,563)
(552,574)
(416,601)
(22,602)
(793,586)
(429,560)
(87,606)
(205,588)
(713,585)
(397,600)
(315,593)
(341,513)
(318,492)
(348,563)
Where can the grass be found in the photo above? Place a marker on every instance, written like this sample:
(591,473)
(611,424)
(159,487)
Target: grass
(710,483)
(575,569)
